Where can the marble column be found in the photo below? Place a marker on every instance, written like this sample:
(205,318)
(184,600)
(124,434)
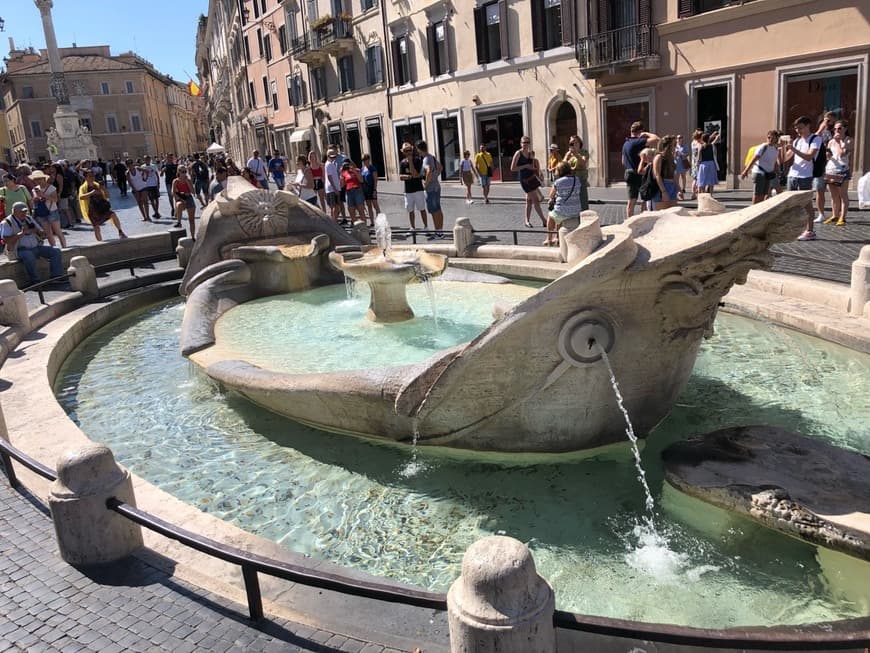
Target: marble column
(58,83)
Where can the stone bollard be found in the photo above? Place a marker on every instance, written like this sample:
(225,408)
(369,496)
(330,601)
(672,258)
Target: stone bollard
(83,277)
(463,236)
(183,251)
(499,603)
(360,232)
(88,533)
(859,290)
(13,306)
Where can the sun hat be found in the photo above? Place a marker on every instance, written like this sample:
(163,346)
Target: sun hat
(39,174)
(553,146)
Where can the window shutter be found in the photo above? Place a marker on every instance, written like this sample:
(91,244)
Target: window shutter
(448,46)
(433,50)
(537,25)
(378,64)
(480,33)
(644,12)
(569,32)
(603,16)
(503,35)
(685,8)
(397,62)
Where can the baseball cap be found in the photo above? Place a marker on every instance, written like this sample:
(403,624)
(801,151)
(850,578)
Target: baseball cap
(553,146)
(19,205)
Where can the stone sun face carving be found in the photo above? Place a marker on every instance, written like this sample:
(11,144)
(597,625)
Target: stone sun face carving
(262,213)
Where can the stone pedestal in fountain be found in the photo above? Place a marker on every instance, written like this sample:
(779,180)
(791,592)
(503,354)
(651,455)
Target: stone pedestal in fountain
(387,275)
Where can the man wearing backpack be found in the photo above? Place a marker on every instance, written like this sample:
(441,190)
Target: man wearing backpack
(802,154)
(431,170)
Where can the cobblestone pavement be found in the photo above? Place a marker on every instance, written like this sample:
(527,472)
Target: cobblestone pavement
(47,605)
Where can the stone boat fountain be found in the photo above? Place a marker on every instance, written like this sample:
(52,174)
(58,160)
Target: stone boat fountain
(646,292)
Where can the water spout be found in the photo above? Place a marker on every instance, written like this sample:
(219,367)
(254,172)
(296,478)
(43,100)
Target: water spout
(383,234)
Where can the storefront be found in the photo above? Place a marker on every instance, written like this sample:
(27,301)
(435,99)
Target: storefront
(500,130)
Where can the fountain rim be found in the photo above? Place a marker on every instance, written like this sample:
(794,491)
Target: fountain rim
(39,372)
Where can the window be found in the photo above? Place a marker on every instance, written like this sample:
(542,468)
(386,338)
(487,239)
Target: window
(312,11)
(290,23)
(135,122)
(27,92)
(490,30)
(374,65)
(267,46)
(296,90)
(274,88)
(111,124)
(259,40)
(104,88)
(85,123)
(547,24)
(365,5)
(693,7)
(247,50)
(337,7)
(265,81)
(35,129)
(129,87)
(252,96)
(256,9)
(282,39)
(318,82)
(345,74)
(402,60)
(439,59)
(262,5)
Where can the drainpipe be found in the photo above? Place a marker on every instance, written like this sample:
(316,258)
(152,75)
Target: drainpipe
(388,64)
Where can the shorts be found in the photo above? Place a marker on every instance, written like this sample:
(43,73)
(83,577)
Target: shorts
(799,183)
(153,192)
(819,183)
(415,201)
(484,180)
(332,199)
(187,199)
(54,216)
(200,187)
(279,180)
(760,184)
(355,197)
(370,193)
(467,177)
(318,184)
(632,183)
(671,187)
(433,200)
(562,221)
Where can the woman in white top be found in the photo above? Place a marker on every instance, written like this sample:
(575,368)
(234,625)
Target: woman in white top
(45,208)
(838,172)
(763,166)
(136,181)
(466,172)
(304,181)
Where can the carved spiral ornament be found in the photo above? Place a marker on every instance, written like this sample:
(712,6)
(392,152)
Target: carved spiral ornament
(583,337)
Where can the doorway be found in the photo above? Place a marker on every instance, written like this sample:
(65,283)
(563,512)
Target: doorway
(619,116)
(501,134)
(712,116)
(566,126)
(447,133)
(410,133)
(375,137)
(354,149)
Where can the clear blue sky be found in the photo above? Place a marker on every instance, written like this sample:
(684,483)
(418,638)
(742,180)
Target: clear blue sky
(161,31)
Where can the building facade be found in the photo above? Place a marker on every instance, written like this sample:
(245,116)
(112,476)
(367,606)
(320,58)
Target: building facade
(130,108)
(370,74)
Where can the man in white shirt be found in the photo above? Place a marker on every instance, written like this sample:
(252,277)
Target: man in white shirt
(801,152)
(256,165)
(332,183)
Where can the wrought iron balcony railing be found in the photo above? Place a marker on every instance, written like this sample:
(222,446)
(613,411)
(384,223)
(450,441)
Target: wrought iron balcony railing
(621,46)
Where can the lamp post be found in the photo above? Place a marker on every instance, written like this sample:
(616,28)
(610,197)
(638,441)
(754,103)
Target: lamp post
(2,23)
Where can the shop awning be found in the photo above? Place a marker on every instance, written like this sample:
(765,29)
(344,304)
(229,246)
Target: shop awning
(300,135)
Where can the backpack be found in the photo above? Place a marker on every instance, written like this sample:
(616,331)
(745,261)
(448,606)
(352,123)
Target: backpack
(821,158)
(648,185)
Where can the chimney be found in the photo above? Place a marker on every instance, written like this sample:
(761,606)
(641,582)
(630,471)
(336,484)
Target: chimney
(11,44)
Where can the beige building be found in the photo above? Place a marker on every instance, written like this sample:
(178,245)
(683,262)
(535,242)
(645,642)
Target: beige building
(129,107)
(370,74)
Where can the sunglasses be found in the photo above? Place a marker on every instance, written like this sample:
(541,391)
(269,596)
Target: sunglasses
(838,129)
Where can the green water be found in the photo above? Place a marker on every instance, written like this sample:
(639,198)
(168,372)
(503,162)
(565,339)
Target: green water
(351,501)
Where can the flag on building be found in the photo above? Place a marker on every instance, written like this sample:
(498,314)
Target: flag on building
(194,88)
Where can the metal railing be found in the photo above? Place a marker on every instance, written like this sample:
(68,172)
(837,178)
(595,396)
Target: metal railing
(616,46)
(804,638)
(337,28)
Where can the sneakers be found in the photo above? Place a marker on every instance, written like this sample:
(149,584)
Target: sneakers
(469,201)
(807,235)
(831,220)
(819,218)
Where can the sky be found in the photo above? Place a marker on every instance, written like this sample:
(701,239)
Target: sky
(161,31)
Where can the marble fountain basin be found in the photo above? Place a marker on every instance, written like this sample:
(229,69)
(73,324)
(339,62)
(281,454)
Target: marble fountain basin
(532,381)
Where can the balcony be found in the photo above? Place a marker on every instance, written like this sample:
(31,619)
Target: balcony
(627,48)
(308,50)
(336,36)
